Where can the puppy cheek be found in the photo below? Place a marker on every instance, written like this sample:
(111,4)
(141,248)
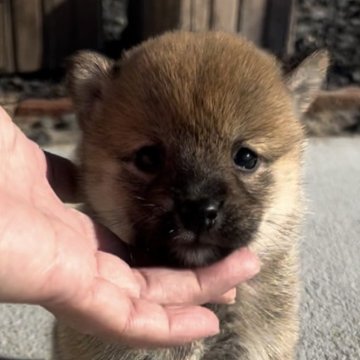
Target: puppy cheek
(286,205)
(108,199)
(287,189)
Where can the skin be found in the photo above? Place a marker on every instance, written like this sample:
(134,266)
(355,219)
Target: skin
(65,268)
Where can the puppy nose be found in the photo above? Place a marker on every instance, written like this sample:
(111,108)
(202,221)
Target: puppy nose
(197,215)
(210,213)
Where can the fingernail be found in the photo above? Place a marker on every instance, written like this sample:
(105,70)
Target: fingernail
(230,296)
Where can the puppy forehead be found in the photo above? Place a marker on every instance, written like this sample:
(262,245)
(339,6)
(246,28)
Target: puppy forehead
(203,86)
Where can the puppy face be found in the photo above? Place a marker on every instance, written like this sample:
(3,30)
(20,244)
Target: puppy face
(191,143)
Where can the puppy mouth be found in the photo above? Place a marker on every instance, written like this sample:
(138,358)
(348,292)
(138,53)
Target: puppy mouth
(189,242)
(171,244)
(196,250)
(192,241)
(185,238)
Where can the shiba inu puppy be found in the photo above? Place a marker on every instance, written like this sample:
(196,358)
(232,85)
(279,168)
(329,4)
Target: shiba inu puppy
(191,148)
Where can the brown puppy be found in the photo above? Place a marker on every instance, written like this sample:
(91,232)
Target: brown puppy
(192,148)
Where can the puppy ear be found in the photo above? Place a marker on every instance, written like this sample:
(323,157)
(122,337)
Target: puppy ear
(305,81)
(86,76)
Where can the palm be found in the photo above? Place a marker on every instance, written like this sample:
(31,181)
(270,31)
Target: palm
(38,218)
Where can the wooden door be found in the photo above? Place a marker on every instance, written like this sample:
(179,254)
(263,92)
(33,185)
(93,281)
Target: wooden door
(268,23)
(6,39)
(36,34)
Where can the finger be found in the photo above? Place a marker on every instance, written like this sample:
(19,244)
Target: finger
(109,314)
(113,269)
(153,325)
(62,176)
(227,298)
(197,286)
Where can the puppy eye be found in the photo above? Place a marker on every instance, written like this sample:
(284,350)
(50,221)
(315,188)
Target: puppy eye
(149,159)
(246,159)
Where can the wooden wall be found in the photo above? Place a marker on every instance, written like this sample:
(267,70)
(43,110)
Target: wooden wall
(6,38)
(268,23)
(41,33)
(37,34)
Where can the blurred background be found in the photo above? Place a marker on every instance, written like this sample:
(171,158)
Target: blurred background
(36,37)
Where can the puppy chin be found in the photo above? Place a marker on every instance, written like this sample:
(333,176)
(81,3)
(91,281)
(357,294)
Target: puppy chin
(198,256)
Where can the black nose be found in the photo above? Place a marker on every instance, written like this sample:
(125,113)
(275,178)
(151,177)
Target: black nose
(198,215)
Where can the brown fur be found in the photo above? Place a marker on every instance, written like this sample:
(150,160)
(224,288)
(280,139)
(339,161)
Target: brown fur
(199,95)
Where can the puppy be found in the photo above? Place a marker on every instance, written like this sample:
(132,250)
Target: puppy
(192,148)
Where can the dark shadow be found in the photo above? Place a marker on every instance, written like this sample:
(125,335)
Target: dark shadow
(149,18)
(69,26)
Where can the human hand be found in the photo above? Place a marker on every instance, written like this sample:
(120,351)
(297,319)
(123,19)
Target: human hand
(54,256)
